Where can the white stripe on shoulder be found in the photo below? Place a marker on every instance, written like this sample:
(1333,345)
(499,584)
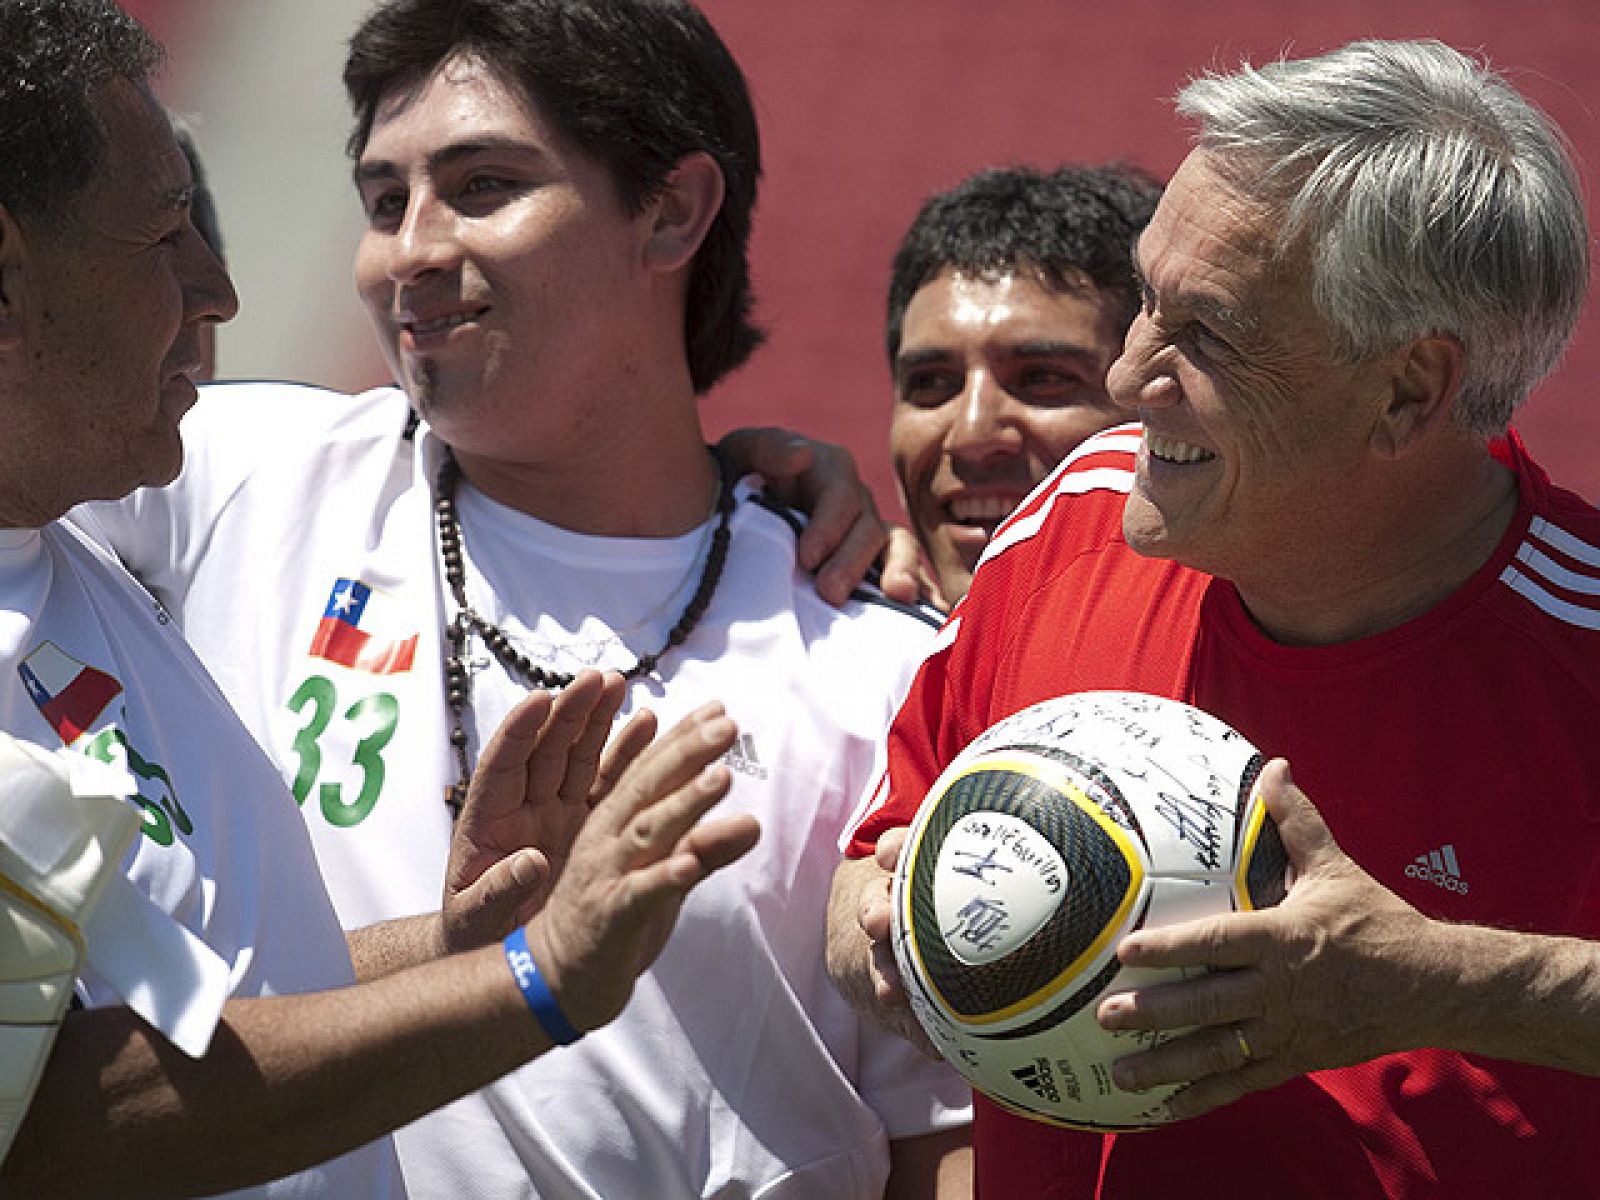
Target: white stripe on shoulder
(870,803)
(1573,547)
(1542,599)
(1065,480)
(1123,438)
(1546,568)
(946,636)
(1078,483)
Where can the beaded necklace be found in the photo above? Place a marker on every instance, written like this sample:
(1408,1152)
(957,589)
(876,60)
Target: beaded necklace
(467,620)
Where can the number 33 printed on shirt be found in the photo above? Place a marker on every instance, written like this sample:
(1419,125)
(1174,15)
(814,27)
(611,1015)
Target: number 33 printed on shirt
(373,718)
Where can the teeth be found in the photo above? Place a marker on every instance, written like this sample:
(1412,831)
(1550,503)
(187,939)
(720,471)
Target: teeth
(982,508)
(1173,451)
(441,323)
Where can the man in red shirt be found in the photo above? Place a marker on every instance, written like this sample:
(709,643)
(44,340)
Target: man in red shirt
(1323,532)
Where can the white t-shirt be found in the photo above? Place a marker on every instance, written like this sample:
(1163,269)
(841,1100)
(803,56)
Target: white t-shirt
(91,661)
(736,1070)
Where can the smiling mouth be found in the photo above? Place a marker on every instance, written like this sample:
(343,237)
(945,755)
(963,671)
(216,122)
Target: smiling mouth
(981,510)
(978,515)
(1170,450)
(440,324)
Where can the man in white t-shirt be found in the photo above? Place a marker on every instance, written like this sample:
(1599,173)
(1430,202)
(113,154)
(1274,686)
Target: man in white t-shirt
(104,287)
(555,264)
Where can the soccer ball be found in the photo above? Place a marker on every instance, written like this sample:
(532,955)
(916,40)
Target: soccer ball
(1055,833)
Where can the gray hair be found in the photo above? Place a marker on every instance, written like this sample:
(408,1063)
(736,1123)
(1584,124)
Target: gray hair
(1433,197)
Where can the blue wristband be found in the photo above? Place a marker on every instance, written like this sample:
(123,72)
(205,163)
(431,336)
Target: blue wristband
(536,991)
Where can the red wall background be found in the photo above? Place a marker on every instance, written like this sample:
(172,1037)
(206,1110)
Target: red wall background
(867,106)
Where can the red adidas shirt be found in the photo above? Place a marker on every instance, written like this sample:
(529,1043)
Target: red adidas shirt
(1457,758)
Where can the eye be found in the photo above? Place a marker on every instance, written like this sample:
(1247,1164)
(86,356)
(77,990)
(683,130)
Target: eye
(1045,379)
(928,388)
(384,206)
(1046,385)
(1206,340)
(483,192)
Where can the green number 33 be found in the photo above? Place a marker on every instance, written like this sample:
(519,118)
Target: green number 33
(380,712)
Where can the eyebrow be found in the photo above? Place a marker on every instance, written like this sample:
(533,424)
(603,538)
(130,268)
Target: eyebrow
(921,357)
(446,156)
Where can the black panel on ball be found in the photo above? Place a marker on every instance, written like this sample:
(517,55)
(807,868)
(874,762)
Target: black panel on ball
(1099,880)
(1266,875)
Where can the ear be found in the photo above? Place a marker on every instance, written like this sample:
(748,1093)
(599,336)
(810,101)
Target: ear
(1423,390)
(690,199)
(11,256)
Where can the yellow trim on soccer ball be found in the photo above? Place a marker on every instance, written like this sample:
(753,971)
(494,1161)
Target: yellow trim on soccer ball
(1255,821)
(1061,778)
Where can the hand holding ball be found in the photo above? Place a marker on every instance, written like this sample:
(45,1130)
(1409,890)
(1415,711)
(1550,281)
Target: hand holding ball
(1057,832)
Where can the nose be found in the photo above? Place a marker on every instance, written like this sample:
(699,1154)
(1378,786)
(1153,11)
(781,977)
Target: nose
(208,292)
(982,427)
(1144,375)
(423,242)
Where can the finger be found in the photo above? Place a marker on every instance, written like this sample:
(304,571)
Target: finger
(877,919)
(505,759)
(1217,1090)
(1216,998)
(777,455)
(653,833)
(1213,1050)
(890,846)
(843,536)
(888,986)
(891,1008)
(903,577)
(846,563)
(568,723)
(654,792)
(621,752)
(716,844)
(1306,836)
(646,888)
(583,758)
(1230,941)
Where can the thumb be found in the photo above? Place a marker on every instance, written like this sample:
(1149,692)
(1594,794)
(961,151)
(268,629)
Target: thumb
(508,894)
(903,576)
(1307,839)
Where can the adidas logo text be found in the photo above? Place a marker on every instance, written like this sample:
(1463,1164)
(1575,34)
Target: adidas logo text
(741,757)
(1440,868)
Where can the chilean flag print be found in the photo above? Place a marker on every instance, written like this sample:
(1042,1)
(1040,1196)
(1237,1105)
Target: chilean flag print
(353,631)
(69,694)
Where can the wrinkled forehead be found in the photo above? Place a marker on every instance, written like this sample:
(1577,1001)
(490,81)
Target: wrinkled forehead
(1210,214)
